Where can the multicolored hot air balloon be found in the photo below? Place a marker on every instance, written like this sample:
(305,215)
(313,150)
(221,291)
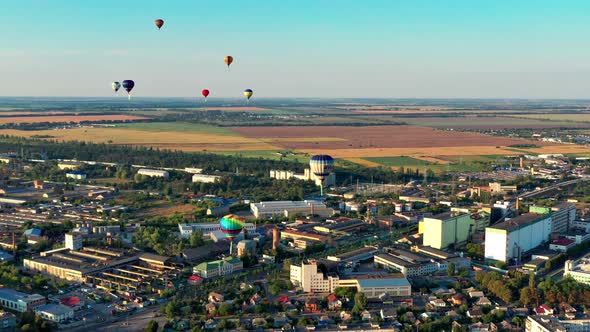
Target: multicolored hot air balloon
(116,86)
(159,23)
(231,226)
(128,86)
(228,60)
(205,93)
(321,166)
(248,93)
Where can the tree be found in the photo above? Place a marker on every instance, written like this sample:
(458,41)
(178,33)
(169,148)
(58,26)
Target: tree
(224,309)
(152,326)
(196,239)
(451,269)
(274,289)
(302,322)
(360,303)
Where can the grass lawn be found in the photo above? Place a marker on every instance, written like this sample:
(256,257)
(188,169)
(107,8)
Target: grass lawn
(266,154)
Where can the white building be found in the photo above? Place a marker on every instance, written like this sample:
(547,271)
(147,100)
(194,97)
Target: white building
(156,173)
(289,208)
(207,228)
(511,238)
(205,178)
(73,241)
(21,302)
(193,170)
(579,270)
(307,175)
(311,280)
(563,216)
(55,312)
(555,324)
(76,175)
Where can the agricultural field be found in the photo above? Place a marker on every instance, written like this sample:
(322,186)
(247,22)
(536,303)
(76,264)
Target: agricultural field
(579,117)
(69,118)
(490,122)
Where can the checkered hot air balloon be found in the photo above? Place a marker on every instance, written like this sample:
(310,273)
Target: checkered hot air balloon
(231,226)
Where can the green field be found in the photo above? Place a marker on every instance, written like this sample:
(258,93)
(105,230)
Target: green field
(179,127)
(274,155)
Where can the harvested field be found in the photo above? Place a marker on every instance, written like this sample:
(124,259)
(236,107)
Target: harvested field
(69,118)
(188,141)
(488,122)
(373,137)
(441,151)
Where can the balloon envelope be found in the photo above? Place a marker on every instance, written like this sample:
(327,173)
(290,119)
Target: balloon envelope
(205,93)
(228,60)
(248,93)
(116,86)
(128,85)
(159,23)
(231,225)
(321,165)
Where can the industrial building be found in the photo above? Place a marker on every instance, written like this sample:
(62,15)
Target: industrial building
(289,208)
(310,278)
(423,261)
(218,268)
(207,228)
(354,256)
(511,238)
(340,225)
(58,313)
(556,324)
(20,302)
(579,270)
(446,229)
(307,175)
(103,267)
(562,216)
(153,173)
(205,178)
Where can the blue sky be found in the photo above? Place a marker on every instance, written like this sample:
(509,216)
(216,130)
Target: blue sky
(298,48)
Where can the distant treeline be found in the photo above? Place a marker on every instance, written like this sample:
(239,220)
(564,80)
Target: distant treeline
(209,162)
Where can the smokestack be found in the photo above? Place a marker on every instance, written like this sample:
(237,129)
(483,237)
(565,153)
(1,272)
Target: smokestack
(276,237)
(521,163)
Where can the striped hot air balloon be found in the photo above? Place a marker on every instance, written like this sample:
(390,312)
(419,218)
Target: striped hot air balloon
(321,166)
(231,226)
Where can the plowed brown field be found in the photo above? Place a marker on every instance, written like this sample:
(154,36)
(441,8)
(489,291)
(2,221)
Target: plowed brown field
(348,137)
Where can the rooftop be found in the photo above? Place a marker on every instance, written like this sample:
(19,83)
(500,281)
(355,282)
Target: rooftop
(519,221)
(15,296)
(54,309)
(388,280)
(447,215)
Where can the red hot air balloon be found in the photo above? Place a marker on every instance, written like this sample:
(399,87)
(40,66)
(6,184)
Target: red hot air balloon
(159,23)
(228,60)
(205,93)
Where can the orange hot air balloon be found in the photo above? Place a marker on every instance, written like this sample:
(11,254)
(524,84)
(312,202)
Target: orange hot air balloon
(159,23)
(228,60)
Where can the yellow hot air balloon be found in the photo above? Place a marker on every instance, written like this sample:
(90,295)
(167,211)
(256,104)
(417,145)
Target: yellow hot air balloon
(248,93)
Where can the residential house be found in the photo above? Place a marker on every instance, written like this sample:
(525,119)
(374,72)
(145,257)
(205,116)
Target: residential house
(474,312)
(476,294)
(210,308)
(58,313)
(313,305)
(215,297)
(483,301)
(458,299)
(438,303)
(333,302)
(544,310)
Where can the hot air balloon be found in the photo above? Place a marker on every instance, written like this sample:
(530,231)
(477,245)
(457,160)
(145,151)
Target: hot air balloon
(159,23)
(228,60)
(321,166)
(205,94)
(231,226)
(128,86)
(248,93)
(116,86)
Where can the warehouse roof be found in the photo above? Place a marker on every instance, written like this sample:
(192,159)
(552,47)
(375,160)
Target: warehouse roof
(520,221)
